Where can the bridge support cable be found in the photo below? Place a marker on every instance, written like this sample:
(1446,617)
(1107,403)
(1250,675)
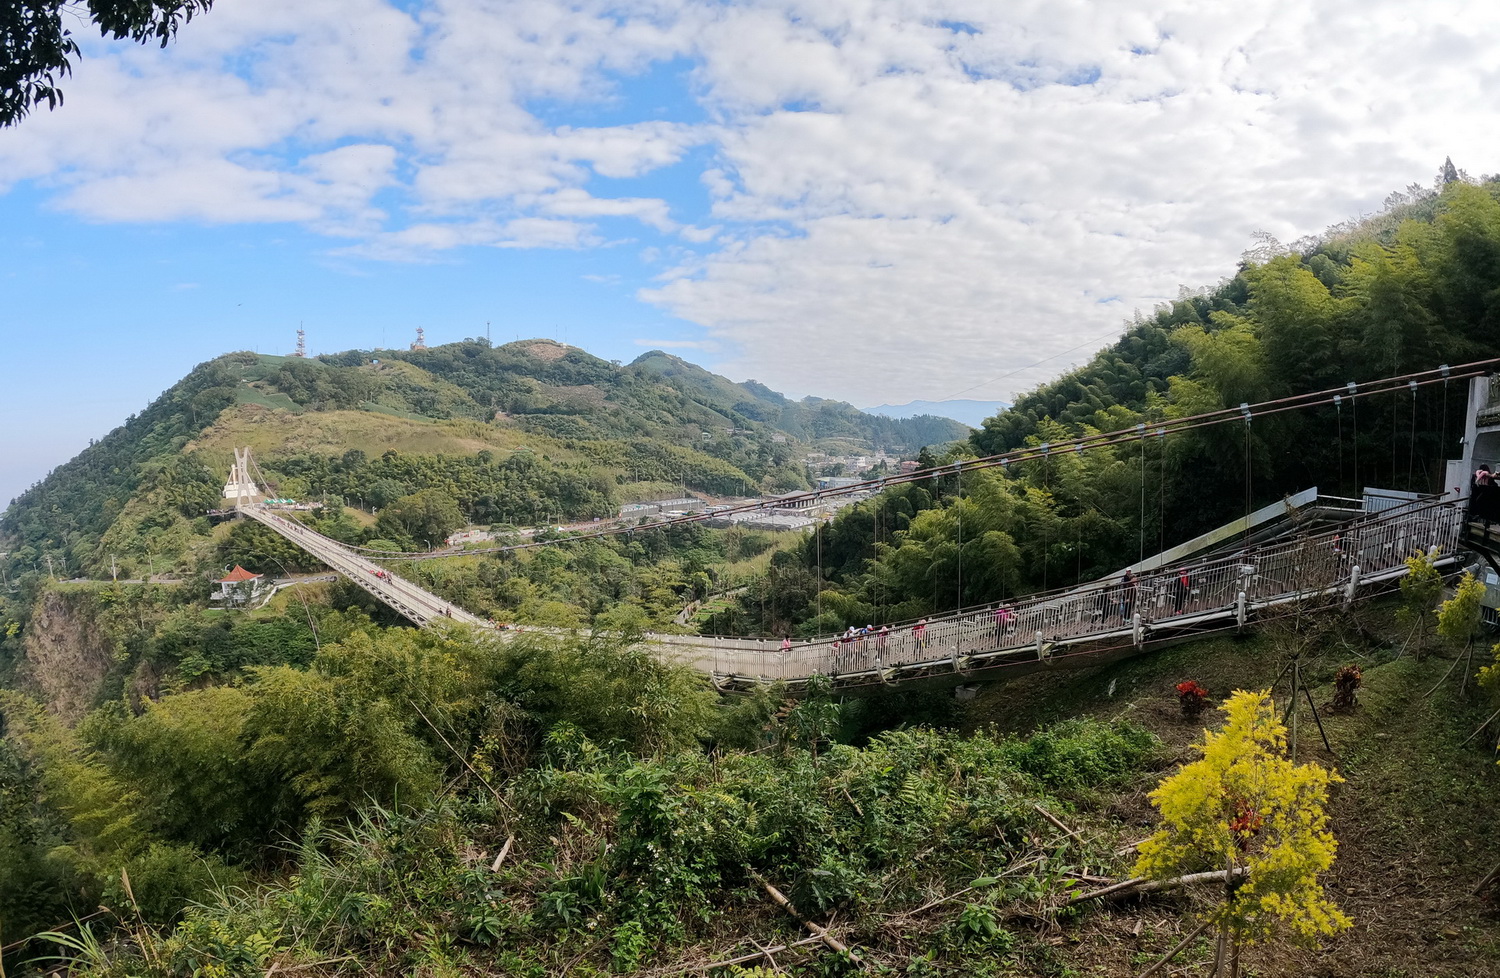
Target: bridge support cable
(1104,439)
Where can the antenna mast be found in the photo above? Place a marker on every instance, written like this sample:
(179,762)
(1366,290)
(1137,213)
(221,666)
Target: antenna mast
(301,342)
(421,343)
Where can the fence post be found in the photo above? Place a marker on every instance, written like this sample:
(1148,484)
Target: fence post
(1240,607)
(1040,652)
(1137,630)
(1351,586)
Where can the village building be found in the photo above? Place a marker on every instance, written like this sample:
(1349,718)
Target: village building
(239,587)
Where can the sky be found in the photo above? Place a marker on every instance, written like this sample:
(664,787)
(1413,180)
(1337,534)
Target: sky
(873,200)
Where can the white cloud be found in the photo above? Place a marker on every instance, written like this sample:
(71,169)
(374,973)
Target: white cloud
(923,193)
(574,202)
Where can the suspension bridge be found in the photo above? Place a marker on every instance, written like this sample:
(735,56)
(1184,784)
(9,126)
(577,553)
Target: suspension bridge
(1306,552)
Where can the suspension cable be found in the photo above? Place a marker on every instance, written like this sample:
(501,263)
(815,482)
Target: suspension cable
(1042,451)
(1411,446)
(1141,555)
(958,504)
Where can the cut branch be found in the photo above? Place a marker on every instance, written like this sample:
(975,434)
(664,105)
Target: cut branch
(820,932)
(1056,821)
(1140,885)
(504,851)
(742,959)
(1175,950)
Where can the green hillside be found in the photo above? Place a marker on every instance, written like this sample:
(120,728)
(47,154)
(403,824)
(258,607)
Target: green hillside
(590,431)
(312,786)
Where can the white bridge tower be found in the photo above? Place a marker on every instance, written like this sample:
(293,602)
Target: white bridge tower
(240,487)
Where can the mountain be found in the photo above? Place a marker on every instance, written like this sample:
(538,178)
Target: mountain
(963,410)
(373,425)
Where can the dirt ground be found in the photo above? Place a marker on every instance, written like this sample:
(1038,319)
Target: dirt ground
(1415,817)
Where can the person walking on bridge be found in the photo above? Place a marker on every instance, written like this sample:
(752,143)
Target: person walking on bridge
(1182,587)
(919,632)
(1004,620)
(1126,595)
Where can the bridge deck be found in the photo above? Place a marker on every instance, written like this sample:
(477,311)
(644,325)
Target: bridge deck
(1217,592)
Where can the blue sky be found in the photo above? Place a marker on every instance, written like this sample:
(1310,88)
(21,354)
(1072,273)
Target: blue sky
(877,200)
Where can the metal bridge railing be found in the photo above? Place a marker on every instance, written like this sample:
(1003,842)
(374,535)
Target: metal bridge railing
(1330,564)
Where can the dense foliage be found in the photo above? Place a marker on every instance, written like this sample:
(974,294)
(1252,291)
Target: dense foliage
(640,807)
(37,39)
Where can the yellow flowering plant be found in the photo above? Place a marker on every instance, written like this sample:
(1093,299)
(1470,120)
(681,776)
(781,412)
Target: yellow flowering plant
(1245,808)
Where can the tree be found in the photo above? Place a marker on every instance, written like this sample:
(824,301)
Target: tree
(1244,809)
(1420,590)
(1458,617)
(36,50)
(424,517)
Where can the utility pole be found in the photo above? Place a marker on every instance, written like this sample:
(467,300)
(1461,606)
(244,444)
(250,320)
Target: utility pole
(50,572)
(114,572)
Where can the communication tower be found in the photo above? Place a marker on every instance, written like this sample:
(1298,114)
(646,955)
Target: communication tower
(301,350)
(421,343)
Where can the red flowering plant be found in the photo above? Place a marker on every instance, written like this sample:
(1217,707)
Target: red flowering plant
(1192,697)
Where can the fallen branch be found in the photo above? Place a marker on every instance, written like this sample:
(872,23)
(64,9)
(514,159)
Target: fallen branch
(1015,868)
(279,968)
(1086,877)
(1141,884)
(821,932)
(1175,951)
(1055,821)
(742,959)
(1489,878)
(504,851)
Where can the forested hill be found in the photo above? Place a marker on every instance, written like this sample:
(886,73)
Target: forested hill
(585,425)
(560,390)
(1411,288)
(1407,289)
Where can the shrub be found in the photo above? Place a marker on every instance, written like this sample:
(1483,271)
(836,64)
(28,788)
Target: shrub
(1243,805)
(1192,697)
(1082,753)
(1346,683)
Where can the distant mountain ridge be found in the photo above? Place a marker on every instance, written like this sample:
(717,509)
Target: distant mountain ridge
(963,410)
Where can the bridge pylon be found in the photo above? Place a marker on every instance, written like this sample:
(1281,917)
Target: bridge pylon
(240,487)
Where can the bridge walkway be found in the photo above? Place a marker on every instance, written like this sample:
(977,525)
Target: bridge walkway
(1217,592)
